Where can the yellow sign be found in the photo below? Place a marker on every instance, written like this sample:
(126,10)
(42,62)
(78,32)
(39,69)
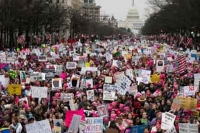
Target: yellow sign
(188,103)
(87,64)
(128,56)
(155,78)
(15,89)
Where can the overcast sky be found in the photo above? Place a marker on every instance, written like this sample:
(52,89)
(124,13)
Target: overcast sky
(119,8)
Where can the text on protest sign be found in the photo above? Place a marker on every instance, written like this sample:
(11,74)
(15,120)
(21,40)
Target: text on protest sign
(39,127)
(94,125)
(71,65)
(39,92)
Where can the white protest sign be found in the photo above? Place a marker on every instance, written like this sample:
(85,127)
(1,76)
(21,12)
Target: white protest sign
(2,57)
(39,92)
(3,80)
(42,58)
(39,127)
(102,110)
(109,95)
(129,73)
(59,68)
(188,90)
(74,125)
(90,95)
(188,128)
(108,80)
(84,69)
(35,76)
(56,84)
(66,96)
(109,87)
(94,125)
(71,65)
(167,120)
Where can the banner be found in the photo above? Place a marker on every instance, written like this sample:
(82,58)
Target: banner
(15,89)
(39,127)
(94,125)
(39,92)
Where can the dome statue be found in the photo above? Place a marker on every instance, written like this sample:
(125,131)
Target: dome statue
(133,14)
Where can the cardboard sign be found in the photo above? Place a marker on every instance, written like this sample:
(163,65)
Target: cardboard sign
(74,125)
(167,120)
(56,84)
(15,89)
(93,125)
(71,65)
(90,95)
(102,110)
(35,77)
(188,103)
(39,127)
(39,92)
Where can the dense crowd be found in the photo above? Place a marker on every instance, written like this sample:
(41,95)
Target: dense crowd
(127,85)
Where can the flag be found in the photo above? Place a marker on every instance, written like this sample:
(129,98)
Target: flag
(181,64)
(189,41)
(181,39)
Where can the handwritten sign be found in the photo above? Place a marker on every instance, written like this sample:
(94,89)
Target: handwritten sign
(71,65)
(39,92)
(188,128)
(15,89)
(94,125)
(167,120)
(66,96)
(102,110)
(39,127)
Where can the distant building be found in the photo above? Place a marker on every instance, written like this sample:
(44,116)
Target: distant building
(91,10)
(69,3)
(132,22)
(108,20)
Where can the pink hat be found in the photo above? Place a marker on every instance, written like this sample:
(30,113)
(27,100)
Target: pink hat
(106,119)
(126,108)
(113,116)
(114,103)
(121,106)
(57,95)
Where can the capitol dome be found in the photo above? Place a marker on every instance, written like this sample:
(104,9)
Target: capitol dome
(133,14)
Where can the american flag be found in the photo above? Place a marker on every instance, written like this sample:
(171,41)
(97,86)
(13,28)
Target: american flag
(181,64)
(189,41)
(181,39)
(21,39)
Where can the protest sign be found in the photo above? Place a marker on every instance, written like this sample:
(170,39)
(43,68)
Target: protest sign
(188,90)
(75,80)
(71,65)
(138,129)
(42,58)
(90,95)
(176,105)
(39,92)
(58,69)
(102,110)
(74,125)
(56,84)
(69,116)
(58,122)
(93,125)
(129,73)
(14,89)
(23,77)
(50,68)
(160,65)
(108,80)
(66,96)
(39,127)
(167,120)
(188,128)
(36,76)
(3,80)
(188,103)
(109,95)
(109,87)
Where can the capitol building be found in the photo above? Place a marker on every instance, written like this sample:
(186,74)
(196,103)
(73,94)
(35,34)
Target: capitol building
(132,22)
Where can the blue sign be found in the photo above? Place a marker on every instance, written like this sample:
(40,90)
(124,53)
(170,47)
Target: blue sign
(138,129)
